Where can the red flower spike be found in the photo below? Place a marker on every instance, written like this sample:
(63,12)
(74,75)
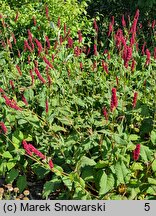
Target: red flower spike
(81,65)
(80,36)
(153,24)
(1,90)
(16,18)
(11,103)
(39,75)
(39,45)
(19,54)
(49,80)
(12,84)
(47,42)
(19,70)
(148,56)
(137,14)
(47,12)
(105,67)
(24,100)
(70,42)
(51,165)
(47,62)
(59,22)
(135,99)
(77,51)
(9,43)
(133,65)
(112,21)
(114,100)
(3,127)
(95,49)
(47,106)
(53,57)
(94,65)
(117,81)
(65,28)
(95,25)
(110,29)
(32,76)
(14,39)
(136,152)
(105,114)
(143,48)
(123,21)
(30,149)
(26,46)
(34,21)
(36,151)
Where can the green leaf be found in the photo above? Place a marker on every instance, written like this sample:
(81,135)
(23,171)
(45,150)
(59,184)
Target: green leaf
(12,175)
(88,173)
(145,153)
(57,170)
(21,183)
(85,161)
(154,166)
(133,137)
(119,140)
(152,181)
(7,155)
(51,186)
(17,138)
(151,190)
(153,137)
(106,183)
(11,163)
(102,164)
(67,181)
(136,166)
(121,172)
(66,121)
(57,128)
(22,121)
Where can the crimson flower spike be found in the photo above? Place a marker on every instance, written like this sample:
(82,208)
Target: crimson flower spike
(12,84)
(110,29)
(58,22)
(47,106)
(16,18)
(39,75)
(80,36)
(135,99)
(24,100)
(47,12)
(47,42)
(114,100)
(95,49)
(148,56)
(19,70)
(95,25)
(123,21)
(34,21)
(47,62)
(136,152)
(3,127)
(105,114)
(30,149)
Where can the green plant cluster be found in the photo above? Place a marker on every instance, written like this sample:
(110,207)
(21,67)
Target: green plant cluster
(57,95)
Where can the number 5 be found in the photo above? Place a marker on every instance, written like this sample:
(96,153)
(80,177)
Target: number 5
(147,207)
